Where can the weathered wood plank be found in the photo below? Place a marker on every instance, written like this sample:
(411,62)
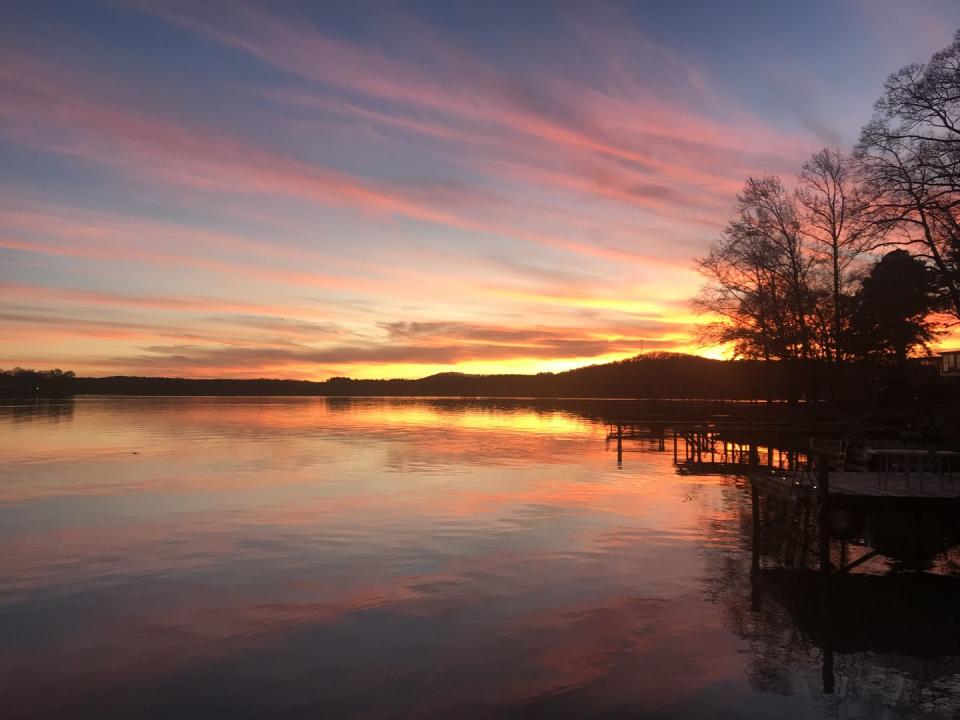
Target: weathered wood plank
(865,484)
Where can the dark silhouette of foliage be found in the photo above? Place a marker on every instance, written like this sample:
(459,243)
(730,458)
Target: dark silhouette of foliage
(837,220)
(756,277)
(910,156)
(893,307)
(36,383)
(785,278)
(654,375)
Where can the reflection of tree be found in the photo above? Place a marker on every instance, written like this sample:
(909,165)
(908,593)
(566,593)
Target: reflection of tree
(894,639)
(27,410)
(766,628)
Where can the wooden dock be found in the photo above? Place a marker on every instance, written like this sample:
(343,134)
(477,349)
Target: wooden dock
(891,485)
(715,445)
(906,517)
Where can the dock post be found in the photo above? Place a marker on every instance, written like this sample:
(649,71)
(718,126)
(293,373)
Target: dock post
(755,595)
(823,511)
(805,541)
(620,447)
(755,505)
(674,446)
(829,682)
(823,487)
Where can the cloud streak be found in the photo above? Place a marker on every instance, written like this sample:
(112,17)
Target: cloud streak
(383,194)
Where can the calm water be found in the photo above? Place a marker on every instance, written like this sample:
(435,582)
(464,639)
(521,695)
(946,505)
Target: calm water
(303,557)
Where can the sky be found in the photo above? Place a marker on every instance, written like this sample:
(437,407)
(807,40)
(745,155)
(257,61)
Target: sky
(394,189)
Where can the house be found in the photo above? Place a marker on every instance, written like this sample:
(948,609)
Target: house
(950,363)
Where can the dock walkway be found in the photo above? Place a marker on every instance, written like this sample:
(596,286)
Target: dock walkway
(861,484)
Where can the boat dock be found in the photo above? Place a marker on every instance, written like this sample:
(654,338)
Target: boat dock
(718,445)
(887,485)
(845,526)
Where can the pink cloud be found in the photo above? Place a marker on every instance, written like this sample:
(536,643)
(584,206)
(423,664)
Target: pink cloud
(624,181)
(25,292)
(630,127)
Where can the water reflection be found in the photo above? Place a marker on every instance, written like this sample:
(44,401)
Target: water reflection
(288,557)
(874,632)
(36,409)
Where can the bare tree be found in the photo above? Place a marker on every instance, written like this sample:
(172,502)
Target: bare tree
(910,153)
(784,274)
(741,287)
(756,277)
(837,219)
(767,210)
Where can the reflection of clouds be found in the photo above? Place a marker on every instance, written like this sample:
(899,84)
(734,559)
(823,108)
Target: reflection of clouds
(371,469)
(421,557)
(330,653)
(500,632)
(30,410)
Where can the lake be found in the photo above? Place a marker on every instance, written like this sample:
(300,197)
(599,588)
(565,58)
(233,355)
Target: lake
(393,558)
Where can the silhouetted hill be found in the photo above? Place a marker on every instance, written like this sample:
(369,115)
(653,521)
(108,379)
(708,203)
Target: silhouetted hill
(654,375)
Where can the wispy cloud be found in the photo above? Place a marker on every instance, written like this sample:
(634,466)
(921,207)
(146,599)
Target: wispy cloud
(400,199)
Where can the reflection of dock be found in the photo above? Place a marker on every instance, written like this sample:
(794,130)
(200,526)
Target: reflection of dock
(818,527)
(905,613)
(906,518)
(853,557)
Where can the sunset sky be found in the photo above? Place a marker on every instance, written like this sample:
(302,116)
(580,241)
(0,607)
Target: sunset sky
(396,189)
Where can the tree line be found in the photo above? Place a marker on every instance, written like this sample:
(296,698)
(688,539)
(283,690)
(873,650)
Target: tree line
(654,375)
(859,259)
(19,382)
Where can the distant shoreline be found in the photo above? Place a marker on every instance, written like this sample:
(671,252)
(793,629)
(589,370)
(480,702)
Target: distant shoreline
(657,376)
(516,398)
